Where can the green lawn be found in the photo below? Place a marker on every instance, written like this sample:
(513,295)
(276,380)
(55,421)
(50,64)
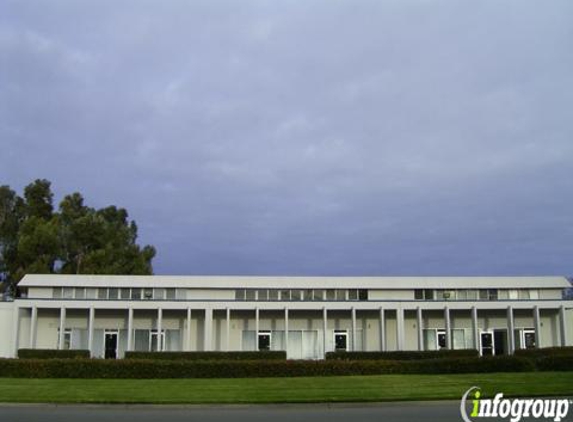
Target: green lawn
(282,390)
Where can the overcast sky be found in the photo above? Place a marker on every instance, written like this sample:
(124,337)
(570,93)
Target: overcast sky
(303,137)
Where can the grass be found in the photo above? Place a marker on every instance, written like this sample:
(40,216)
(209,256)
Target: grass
(282,390)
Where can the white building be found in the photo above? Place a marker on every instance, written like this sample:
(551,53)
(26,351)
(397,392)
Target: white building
(112,314)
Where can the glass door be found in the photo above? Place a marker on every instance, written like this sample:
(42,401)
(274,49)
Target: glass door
(486,343)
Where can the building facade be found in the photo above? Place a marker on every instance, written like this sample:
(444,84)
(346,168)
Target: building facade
(306,316)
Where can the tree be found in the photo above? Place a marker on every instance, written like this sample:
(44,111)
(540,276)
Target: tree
(76,239)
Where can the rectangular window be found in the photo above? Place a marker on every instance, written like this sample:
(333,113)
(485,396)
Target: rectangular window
(483,295)
(125,293)
(68,293)
(352,294)
(102,293)
(418,294)
(362,294)
(523,294)
(80,293)
(330,294)
(170,294)
(492,294)
(341,294)
(67,343)
(113,294)
(57,292)
(296,295)
(503,294)
(136,294)
(148,294)
(318,294)
(462,295)
(91,293)
(273,294)
(240,294)
(262,294)
(472,294)
(429,294)
(251,294)
(308,294)
(159,294)
(285,294)
(533,294)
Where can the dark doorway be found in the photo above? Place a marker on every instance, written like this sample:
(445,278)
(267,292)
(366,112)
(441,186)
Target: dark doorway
(500,342)
(341,341)
(486,343)
(265,341)
(110,345)
(442,340)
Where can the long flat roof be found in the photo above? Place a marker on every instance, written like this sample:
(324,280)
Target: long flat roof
(296,282)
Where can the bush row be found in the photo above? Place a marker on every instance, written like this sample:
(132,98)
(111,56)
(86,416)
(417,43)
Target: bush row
(143,368)
(545,351)
(53,354)
(260,355)
(403,355)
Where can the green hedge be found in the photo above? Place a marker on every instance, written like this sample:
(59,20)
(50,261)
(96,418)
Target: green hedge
(403,355)
(53,354)
(545,351)
(261,355)
(555,363)
(142,368)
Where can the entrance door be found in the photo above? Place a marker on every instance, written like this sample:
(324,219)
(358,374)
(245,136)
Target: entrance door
(264,341)
(486,343)
(500,342)
(110,342)
(340,341)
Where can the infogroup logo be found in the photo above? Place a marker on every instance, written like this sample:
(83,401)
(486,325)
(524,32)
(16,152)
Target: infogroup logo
(512,409)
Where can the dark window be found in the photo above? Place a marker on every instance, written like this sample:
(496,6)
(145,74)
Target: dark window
(340,341)
(352,294)
(492,294)
(418,294)
(240,294)
(264,340)
(363,294)
(483,294)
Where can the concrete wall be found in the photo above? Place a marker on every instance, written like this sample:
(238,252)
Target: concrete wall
(6,329)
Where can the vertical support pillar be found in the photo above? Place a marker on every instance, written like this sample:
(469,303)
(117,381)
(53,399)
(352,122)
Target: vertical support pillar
(353,312)
(130,329)
(188,345)
(33,327)
(16,330)
(207,330)
(563,325)
(475,328)
(91,320)
(420,322)
(510,331)
(448,325)
(324,329)
(382,331)
(62,328)
(160,329)
(257,328)
(400,328)
(228,337)
(537,326)
(286,331)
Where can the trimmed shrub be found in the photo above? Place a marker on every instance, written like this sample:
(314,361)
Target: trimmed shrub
(53,354)
(555,363)
(404,355)
(144,368)
(230,356)
(545,351)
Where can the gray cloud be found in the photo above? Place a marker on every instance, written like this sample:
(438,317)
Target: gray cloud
(399,137)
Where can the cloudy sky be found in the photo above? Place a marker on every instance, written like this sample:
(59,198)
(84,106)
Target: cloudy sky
(303,137)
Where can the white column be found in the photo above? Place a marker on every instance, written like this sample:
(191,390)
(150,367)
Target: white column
(420,328)
(563,325)
(400,328)
(353,312)
(207,330)
(228,329)
(91,330)
(475,328)
(510,329)
(33,327)
(62,327)
(159,329)
(188,346)
(537,326)
(382,331)
(448,327)
(16,330)
(257,327)
(324,329)
(130,329)
(286,331)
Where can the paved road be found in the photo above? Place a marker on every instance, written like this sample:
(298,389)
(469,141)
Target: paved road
(399,412)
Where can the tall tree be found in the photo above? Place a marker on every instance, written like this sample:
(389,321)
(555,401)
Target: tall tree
(76,239)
